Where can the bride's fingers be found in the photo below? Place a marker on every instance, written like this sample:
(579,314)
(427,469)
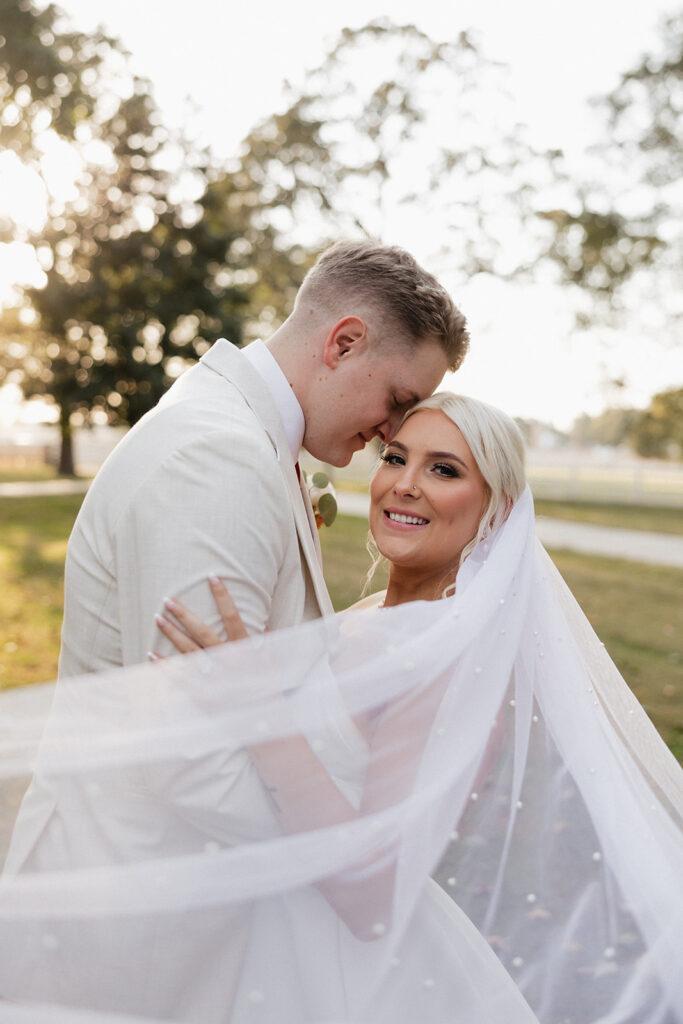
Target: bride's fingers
(232,620)
(197,630)
(181,641)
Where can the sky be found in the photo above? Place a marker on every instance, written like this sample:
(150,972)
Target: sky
(232,59)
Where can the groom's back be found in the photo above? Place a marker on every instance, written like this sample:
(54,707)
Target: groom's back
(93,622)
(145,513)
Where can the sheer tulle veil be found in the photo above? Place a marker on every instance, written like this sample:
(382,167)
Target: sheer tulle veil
(154,872)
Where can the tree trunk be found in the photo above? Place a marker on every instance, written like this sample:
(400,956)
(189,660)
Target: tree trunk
(66,452)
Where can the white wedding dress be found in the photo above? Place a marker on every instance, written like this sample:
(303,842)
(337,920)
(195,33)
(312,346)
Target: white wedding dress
(155,874)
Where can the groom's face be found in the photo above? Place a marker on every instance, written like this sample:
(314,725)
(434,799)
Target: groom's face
(367,395)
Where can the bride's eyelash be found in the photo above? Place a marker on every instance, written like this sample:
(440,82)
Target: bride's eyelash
(449,471)
(389,457)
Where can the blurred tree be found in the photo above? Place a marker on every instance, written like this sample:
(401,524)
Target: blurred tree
(252,251)
(135,285)
(106,345)
(47,77)
(612,427)
(658,432)
(387,128)
(620,238)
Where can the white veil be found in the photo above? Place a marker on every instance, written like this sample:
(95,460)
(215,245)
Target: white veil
(246,835)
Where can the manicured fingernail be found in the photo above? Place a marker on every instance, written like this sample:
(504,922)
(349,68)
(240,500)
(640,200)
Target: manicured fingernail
(152,656)
(213,579)
(160,619)
(170,603)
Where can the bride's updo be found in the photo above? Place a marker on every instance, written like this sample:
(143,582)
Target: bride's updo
(497,446)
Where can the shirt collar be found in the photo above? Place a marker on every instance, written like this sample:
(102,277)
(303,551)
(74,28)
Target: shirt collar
(280,389)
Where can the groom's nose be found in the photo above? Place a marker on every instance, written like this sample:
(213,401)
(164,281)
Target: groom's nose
(388,428)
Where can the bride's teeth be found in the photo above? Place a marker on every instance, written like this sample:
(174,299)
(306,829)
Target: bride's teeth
(411,520)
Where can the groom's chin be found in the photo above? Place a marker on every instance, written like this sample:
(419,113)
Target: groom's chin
(340,455)
(339,459)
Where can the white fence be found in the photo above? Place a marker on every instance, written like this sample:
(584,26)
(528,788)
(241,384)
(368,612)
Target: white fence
(633,483)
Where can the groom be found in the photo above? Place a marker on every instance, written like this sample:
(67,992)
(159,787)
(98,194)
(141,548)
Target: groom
(207,482)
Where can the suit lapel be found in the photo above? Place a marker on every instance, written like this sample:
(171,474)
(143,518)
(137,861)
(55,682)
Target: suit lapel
(307,530)
(226,359)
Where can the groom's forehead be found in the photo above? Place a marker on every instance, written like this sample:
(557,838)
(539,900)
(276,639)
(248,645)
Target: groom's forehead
(419,369)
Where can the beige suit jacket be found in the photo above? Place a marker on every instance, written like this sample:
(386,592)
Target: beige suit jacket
(204,483)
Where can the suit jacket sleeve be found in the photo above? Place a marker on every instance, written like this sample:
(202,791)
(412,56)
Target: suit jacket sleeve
(218,505)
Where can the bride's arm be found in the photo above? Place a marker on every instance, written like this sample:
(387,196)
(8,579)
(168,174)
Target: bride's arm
(290,767)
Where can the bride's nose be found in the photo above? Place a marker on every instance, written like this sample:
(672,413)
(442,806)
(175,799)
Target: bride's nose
(406,484)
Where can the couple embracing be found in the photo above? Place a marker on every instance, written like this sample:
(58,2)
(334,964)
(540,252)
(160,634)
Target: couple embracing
(445,806)
(207,482)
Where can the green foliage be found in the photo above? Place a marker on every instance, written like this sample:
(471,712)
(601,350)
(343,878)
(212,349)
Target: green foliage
(135,286)
(327,508)
(658,432)
(46,76)
(612,427)
(622,228)
(599,251)
(343,152)
(253,250)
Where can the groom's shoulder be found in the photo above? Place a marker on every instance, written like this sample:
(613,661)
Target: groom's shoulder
(204,400)
(203,420)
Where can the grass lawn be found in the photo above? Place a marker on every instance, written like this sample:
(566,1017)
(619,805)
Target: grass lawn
(658,519)
(637,612)
(33,537)
(31,471)
(635,609)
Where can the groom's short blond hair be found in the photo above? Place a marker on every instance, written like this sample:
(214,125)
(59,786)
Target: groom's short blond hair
(385,280)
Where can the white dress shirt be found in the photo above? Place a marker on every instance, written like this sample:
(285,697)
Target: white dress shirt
(287,404)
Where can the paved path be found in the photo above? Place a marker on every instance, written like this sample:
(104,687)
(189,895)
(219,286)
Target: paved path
(34,488)
(634,545)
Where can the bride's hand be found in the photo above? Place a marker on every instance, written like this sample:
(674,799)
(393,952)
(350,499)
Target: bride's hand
(195,634)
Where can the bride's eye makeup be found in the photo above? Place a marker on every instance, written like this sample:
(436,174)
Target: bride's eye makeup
(446,470)
(393,459)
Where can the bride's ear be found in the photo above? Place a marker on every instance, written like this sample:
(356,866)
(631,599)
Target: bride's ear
(348,336)
(507,509)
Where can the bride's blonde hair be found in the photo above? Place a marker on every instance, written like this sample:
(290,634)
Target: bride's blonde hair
(497,447)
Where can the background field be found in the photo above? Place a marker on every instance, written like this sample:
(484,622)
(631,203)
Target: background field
(635,609)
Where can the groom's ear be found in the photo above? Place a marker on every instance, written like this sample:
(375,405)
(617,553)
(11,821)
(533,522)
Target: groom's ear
(348,336)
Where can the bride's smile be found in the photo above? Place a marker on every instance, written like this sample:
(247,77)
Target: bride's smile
(403,519)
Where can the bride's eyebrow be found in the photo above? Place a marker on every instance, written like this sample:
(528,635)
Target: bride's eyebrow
(448,455)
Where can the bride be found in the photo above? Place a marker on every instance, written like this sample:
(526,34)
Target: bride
(247,834)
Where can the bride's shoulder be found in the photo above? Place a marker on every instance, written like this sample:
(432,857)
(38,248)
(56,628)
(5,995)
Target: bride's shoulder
(371,601)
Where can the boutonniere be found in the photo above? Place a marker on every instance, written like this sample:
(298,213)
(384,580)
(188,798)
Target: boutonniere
(323,498)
